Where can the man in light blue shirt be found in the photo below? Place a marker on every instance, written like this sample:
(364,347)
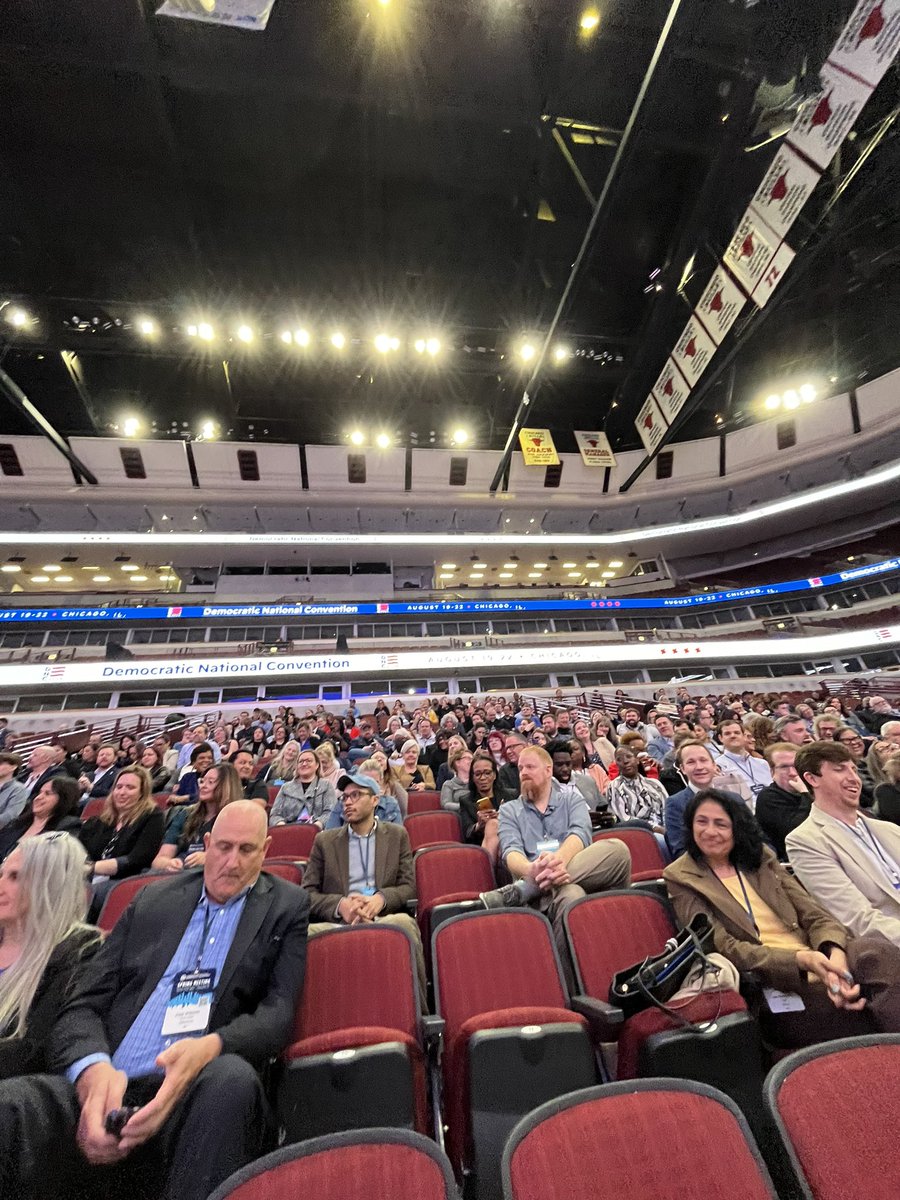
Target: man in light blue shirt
(545,842)
(159,1046)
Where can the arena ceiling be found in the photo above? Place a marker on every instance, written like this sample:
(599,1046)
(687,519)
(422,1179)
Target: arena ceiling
(420,169)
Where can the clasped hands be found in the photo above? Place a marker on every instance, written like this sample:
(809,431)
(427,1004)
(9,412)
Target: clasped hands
(834,971)
(549,871)
(355,909)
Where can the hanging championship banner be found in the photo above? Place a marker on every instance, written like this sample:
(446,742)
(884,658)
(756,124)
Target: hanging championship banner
(750,251)
(720,305)
(870,40)
(823,124)
(693,351)
(595,448)
(784,256)
(650,424)
(670,391)
(788,184)
(538,449)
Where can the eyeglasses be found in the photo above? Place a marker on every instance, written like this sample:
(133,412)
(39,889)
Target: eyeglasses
(853,738)
(354,795)
(485,774)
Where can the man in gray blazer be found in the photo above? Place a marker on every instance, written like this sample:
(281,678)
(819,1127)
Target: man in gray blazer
(849,862)
(363,871)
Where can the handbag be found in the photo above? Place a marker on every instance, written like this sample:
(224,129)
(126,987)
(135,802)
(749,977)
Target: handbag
(655,981)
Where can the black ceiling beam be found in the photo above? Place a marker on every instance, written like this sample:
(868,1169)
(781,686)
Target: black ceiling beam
(654,338)
(17,398)
(590,237)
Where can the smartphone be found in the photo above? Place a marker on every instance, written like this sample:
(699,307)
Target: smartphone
(118,1119)
(485,803)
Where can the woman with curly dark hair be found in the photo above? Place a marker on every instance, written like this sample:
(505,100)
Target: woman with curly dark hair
(764,922)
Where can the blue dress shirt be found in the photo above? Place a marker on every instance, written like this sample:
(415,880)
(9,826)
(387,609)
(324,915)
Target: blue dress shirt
(205,944)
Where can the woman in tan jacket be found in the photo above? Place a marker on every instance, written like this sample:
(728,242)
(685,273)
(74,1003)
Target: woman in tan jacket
(411,774)
(765,923)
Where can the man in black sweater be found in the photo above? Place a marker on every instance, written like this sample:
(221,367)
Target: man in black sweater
(784,803)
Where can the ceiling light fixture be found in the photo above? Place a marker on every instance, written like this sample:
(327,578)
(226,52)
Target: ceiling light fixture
(383,441)
(527,351)
(357,437)
(589,20)
(301,337)
(101,578)
(63,579)
(18,318)
(790,399)
(338,340)
(147,328)
(807,393)
(384,343)
(561,353)
(51,569)
(11,568)
(40,579)
(244,334)
(460,436)
(131,427)
(772,402)
(205,331)
(286,336)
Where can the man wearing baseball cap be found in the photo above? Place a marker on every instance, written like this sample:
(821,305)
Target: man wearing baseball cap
(362,870)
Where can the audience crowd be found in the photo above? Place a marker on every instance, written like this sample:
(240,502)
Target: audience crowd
(139,1062)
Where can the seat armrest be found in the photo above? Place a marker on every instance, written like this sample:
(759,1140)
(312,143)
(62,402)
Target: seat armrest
(412,907)
(604,1019)
(432,1029)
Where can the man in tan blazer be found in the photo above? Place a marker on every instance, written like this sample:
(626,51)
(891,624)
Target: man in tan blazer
(849,862)
(363,871)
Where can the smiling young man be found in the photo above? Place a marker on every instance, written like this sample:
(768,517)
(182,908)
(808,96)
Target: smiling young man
(849,862)
(736,758)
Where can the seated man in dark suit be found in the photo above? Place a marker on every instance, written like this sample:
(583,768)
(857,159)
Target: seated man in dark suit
(695,761)
(98,783)
(786,802)
(364,870)
(194,991)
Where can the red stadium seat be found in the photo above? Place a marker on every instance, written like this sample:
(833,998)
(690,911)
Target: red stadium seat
(647,861)
(419,802)
(432,828)
(291,841)
(650,1139)
(371,1164)
(446,875)
(363,997)
(831,1103)
(93,808)
(614,930)
(121,894)
(511,1040)
(273,793)
(285,869)
(162,799)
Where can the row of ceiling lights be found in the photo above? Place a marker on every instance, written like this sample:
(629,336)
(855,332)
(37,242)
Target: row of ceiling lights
(383,342)
(791,398)
(53,573)
(477,569)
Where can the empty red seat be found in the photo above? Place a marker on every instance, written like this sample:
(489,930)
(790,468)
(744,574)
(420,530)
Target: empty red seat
(446,875)
(291,841)
(93,808)
(431,828)
(647,861)
(285,869)
(362,996)
(419,802)
(121,894)
(371,1164)
(650,1139)
(510,1040)
(832,1105)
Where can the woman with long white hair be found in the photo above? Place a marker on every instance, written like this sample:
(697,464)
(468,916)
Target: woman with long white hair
(44,943)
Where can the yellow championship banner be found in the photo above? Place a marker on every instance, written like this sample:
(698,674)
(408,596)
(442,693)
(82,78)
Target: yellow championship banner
(537,448)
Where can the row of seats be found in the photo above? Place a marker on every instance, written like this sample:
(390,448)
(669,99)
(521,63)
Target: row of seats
(656,1139)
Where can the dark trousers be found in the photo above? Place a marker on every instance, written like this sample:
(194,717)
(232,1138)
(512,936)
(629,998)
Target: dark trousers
(222,1123)
(875,965)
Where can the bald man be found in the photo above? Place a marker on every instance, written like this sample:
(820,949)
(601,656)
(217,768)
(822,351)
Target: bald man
(193,992)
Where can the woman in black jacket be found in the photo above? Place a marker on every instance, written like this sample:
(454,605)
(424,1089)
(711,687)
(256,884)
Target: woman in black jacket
(125,838)
(54,807)
(478,807)
(44,946)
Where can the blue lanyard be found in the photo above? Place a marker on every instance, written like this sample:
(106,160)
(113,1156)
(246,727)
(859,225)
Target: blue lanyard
(208,918)
(364,860)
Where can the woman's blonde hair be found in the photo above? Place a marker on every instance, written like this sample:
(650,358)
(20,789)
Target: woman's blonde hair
(53,881)
(281,770)
(145,803)
(410,743)
(373,768)
(456,754)
(326,751)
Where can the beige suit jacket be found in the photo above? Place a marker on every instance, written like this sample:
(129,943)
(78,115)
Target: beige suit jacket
(831,862)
